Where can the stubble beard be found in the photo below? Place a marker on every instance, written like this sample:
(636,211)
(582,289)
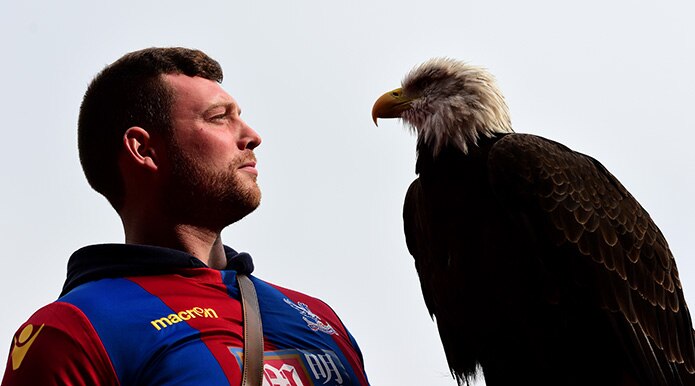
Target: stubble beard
(200,196)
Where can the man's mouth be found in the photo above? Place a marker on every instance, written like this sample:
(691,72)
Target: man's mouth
(249,167)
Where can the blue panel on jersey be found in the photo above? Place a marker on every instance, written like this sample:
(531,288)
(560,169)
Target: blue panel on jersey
(125,317)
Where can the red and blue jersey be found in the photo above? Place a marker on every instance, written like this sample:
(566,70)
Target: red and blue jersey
(153,316)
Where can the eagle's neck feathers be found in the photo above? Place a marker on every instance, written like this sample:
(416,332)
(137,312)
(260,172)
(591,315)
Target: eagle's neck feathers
(458,105)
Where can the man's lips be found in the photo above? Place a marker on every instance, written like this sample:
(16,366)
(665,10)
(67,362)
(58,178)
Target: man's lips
(249,167)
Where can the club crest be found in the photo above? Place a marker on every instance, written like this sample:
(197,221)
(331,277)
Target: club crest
(312,320)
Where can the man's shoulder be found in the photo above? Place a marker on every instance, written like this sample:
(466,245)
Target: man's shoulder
(318,315)
(287,291)
(53,322)
(57,326)
(56,315)
(294,295)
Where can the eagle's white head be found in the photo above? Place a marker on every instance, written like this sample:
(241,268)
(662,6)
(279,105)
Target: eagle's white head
(447,103)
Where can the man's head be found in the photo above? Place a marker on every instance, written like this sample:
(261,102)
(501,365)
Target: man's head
(210,174)
(149,92)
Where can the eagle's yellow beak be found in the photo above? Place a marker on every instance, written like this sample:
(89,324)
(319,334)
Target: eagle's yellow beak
(391,105)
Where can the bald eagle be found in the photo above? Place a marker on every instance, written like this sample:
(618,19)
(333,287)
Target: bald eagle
(537,264)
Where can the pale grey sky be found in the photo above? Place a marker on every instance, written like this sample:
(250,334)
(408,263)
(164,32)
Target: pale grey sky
(612,79)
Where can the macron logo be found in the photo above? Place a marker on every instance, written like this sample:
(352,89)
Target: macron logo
(195,312)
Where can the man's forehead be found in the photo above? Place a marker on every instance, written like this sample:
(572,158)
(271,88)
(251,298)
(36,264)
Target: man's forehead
(198,90)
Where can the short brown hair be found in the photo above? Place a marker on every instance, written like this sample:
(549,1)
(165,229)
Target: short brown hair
(131,92)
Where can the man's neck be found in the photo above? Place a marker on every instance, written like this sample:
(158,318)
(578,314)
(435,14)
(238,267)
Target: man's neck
(204,244)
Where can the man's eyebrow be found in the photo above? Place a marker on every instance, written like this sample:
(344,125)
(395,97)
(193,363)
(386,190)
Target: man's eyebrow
(227,105)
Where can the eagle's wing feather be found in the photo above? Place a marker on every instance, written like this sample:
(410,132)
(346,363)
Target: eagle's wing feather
(416,235)
(439,282)
(618,249)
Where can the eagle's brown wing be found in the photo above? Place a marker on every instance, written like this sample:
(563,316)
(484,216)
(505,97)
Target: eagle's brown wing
(623,256)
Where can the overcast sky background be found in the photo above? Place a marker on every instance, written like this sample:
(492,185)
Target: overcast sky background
(613,79)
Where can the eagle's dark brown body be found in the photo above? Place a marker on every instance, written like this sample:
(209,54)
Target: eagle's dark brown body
(540,267)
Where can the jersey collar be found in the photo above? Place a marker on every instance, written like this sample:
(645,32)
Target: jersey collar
(101,261)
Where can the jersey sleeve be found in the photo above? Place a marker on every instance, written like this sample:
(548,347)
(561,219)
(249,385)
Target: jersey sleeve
(58,346)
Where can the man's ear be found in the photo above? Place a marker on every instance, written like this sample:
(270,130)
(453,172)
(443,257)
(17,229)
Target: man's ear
(138,147)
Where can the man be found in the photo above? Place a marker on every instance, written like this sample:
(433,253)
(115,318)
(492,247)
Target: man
(165,144)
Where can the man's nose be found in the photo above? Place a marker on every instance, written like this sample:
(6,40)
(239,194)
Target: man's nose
(250,139)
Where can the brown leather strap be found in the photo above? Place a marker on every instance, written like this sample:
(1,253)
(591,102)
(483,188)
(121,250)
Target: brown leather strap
(253,333)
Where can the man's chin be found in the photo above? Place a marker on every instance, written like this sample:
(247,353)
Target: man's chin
(243,211)
(247,202)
